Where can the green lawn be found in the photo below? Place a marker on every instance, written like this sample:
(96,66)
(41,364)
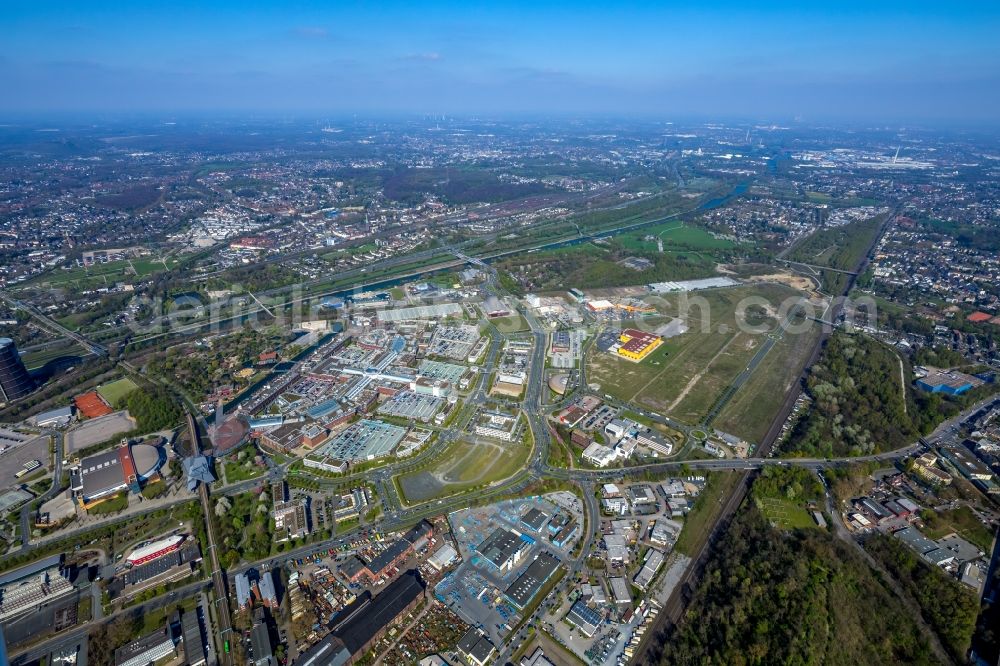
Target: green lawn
(116,392)
(154,490)
(112,505)
(786,514)
(752,409)
(236,471)
(461,467)
(675,235)
(101,274)
(962,521)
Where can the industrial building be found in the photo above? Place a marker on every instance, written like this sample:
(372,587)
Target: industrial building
(969,465)
(146,650)
(195,652)
(637,345)
(15,382)
(585,618)
(443,557)
(476,647)
(524,589)
(54,418)
(356,628)
(23,590)
(948,382)
(398,551)
(503,549)
(260,642)
(654,560)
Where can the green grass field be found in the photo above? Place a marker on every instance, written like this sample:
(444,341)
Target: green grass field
(675,235)
(750,412)
(115,504)
(116,392)
(100,275)
(236,471)
(785,514)
(687,374)
(962,521)
(698,523)
(463,466)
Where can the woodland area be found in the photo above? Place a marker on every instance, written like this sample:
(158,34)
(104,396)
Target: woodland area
(859,406)
(800,597)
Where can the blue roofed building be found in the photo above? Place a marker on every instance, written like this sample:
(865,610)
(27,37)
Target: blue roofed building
(198,469)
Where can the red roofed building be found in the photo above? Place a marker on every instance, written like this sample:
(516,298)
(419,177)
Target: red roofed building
(128,467)
(979,317)
(636,345)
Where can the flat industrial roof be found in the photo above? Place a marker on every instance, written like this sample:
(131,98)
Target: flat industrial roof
(101,473)
(31,569)
(363,618)
(532,579)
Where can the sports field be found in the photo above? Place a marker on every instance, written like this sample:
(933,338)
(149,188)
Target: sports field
(688,373)
(463,466)
(116,391)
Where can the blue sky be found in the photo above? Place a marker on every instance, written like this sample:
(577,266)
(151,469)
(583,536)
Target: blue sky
(876,60)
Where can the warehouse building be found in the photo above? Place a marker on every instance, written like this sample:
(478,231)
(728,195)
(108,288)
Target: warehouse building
(398,551)
(362,622)
(23,590)
(54,418)
(585,618)
(503,549)
(531,581)
(969,465)
(195,645)
(949,383)
(476,647)
(443,557)
(146,650)
(637,345)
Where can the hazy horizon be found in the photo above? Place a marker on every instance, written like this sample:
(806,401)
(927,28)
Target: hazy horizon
(898,62)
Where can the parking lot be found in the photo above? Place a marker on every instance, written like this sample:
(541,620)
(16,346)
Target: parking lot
(13,460)
(410,405)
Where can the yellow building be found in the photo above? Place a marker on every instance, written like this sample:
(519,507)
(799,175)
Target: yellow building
(637,345)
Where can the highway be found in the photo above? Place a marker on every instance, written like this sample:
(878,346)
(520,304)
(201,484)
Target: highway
(54,326)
